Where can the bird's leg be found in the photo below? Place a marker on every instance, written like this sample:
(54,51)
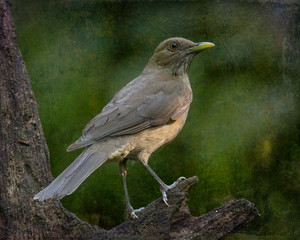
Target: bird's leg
(163,187)
(123,172)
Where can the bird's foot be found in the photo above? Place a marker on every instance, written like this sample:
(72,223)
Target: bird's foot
(176,182)
(132,212)
(165,188)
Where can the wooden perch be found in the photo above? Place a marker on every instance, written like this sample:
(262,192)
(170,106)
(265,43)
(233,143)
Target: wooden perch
(158,221)
(25,168)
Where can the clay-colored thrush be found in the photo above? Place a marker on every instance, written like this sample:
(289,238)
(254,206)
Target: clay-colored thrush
(143,116)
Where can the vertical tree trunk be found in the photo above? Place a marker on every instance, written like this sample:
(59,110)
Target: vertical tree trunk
(24,156)
(24,170)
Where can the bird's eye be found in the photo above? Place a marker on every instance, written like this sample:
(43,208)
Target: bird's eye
(173,46)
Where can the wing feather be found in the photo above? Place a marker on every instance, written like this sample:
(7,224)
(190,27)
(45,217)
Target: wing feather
(130,111)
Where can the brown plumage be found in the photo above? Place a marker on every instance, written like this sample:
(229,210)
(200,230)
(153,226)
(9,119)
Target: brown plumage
(143,116)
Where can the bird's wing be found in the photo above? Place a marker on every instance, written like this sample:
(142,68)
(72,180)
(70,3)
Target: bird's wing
(137,110)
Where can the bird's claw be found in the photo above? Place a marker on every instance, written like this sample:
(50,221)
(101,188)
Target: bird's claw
(166,188)
(164,196)
(132,212)
(176,182)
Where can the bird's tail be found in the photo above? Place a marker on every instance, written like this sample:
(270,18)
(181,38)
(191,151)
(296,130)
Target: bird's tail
(70,179)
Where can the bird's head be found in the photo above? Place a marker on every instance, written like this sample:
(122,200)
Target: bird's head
(175,55)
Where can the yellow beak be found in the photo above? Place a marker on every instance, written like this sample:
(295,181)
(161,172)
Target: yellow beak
(201,46)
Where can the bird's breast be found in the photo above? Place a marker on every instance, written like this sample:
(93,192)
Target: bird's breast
(150,140)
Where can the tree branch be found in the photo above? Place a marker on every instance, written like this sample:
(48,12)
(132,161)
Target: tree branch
(158,221)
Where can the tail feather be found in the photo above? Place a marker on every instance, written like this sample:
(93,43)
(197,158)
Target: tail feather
(70,179)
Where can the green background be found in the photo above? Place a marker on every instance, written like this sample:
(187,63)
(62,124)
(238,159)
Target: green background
(242,135)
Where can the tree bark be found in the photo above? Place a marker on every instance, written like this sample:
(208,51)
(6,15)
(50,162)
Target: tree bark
(24,170)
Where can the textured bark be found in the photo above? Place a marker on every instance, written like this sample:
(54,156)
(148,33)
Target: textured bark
(24,156)
(24,169)
(175,222)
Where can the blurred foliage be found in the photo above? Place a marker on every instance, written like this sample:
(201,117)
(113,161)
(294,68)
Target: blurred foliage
(242,134)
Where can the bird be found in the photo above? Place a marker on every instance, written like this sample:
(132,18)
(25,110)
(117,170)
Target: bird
(143,116)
